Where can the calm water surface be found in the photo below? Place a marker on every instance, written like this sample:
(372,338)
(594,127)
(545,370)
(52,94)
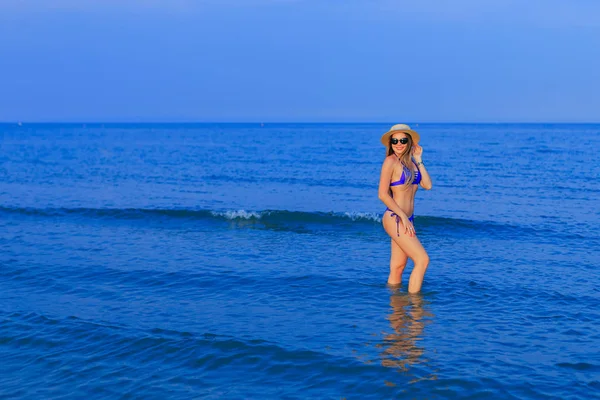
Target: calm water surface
(239,261)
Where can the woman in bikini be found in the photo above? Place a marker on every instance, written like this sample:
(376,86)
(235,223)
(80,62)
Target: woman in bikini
(402,173)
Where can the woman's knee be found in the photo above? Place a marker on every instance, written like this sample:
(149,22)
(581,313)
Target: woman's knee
(422,260)
(398,264)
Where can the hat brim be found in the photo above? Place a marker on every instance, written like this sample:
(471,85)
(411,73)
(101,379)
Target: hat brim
(385,139)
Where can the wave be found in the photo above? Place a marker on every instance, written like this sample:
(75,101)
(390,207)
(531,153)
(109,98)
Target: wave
(229,215)
(297,221)
(241,215)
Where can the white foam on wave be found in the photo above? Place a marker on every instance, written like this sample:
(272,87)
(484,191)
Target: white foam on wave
(239,214)
(247,215)
(356,216)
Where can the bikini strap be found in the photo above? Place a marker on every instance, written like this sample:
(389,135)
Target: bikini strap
(397,223)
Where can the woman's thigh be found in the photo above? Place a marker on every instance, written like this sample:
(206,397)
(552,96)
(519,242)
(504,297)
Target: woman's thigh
(410,245)
(398,257)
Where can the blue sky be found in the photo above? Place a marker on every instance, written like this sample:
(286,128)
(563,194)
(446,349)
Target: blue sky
(300,60)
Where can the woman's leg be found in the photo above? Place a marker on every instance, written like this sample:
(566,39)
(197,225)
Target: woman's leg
(412,247)
(398,261)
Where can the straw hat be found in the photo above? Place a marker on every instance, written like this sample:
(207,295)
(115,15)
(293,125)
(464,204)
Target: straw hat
(385,139)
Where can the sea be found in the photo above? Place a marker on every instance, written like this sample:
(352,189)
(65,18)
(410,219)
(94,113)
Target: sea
(248,261)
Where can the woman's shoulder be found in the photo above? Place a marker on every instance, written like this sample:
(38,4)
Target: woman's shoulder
(391,159)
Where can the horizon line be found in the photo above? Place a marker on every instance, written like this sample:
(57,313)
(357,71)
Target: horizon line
(287,122)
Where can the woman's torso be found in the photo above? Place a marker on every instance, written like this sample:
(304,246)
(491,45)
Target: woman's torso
(404,195)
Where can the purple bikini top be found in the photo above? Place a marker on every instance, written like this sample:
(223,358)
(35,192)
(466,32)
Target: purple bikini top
(403,178)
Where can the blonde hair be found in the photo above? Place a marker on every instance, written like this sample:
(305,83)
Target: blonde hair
(405,159)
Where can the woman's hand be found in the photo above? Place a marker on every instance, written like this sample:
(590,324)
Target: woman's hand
(417,152)
(409,228)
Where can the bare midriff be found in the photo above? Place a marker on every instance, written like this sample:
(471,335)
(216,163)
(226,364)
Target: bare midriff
(404,196)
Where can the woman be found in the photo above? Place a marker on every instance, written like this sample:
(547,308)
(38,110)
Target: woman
(402,172)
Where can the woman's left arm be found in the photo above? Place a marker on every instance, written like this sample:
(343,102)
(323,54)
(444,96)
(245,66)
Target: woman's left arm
(418,157)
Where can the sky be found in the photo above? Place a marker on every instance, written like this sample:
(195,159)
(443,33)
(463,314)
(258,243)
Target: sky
(300,61)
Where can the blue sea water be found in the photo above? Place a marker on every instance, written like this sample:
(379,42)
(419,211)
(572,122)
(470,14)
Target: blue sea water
(226,261)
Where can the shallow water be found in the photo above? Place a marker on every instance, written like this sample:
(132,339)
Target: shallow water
(240,261)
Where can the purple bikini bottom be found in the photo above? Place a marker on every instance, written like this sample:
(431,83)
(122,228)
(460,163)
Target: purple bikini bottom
(393,214)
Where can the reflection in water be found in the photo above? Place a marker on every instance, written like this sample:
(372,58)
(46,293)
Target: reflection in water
(408,317)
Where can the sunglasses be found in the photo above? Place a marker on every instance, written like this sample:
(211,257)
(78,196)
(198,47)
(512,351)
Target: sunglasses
(401,141)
